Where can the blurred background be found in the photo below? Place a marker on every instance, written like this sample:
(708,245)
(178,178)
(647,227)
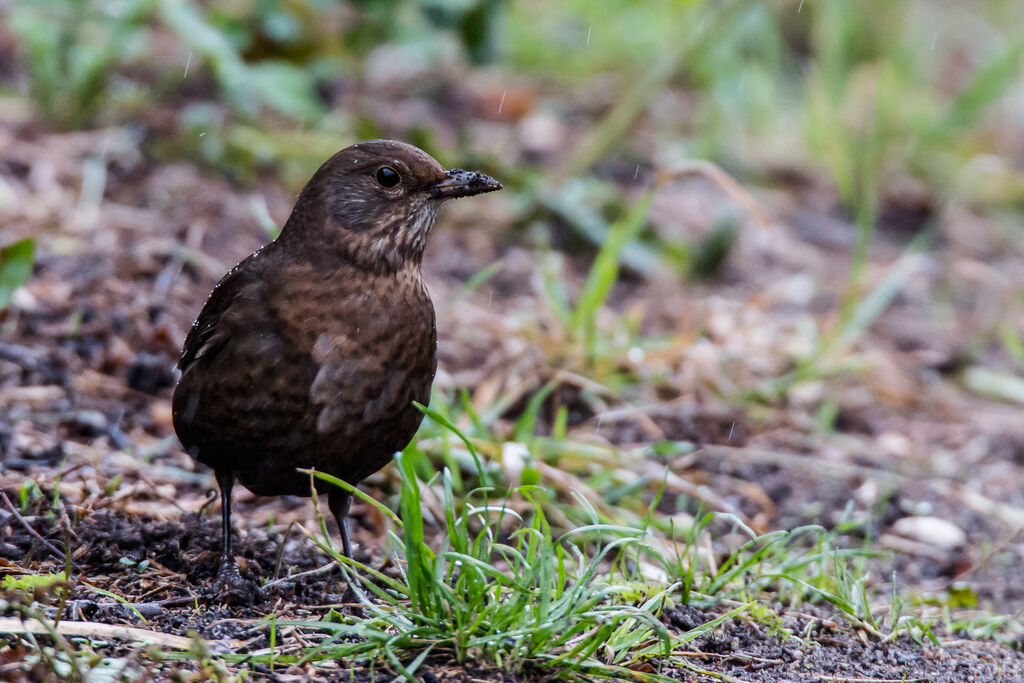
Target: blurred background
(760,257)
(876,100)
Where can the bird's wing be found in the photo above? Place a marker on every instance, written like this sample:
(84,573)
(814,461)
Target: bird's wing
(356,383)
(208,335)
(240,381)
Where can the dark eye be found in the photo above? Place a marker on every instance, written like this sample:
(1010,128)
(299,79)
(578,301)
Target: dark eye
(387,176)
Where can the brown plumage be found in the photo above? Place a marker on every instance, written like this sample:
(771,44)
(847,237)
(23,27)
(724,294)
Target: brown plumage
(311,351)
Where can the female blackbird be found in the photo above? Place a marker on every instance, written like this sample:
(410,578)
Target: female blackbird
(311,351)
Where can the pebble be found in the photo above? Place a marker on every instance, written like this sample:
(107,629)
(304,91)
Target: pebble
(931,530)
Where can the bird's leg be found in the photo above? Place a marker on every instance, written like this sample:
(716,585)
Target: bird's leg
(340,500)
(230,583)
(226,481)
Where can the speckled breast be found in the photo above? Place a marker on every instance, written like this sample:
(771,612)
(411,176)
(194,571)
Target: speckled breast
(370,355)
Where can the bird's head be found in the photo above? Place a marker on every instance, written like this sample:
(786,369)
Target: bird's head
(373,203)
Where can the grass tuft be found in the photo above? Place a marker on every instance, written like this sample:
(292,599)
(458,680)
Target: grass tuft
(499,587)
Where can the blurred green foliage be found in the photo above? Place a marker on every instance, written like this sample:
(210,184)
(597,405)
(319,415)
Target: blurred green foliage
(72,49)
(867,91)
(283,87)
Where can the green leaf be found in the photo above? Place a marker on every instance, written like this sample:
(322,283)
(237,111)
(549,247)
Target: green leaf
(1004,386)
(277,85)
(29,583)
(285,88)
(989,84)
(444,422)
(15,268)
(527,422)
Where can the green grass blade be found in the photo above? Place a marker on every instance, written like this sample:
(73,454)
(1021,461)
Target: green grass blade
(355,491)
(443,421)
(605,270)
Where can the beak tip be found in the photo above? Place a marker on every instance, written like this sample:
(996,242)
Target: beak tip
(459,183)
(489,184)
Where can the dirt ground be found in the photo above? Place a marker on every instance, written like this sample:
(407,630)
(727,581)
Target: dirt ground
(86,371)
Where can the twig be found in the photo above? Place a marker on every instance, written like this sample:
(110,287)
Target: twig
(301,575)
(1007,514)
(739,656)
(100,630)
(843,679)
(21,355)
(280,553)
(164,497)
(783,459)
(690,666)
(639,414)
(726,182)
(28,527)
(701,493)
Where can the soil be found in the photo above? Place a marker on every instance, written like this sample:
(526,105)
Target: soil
(174,597)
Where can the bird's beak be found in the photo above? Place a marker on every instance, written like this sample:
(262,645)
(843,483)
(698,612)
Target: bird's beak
(459,183)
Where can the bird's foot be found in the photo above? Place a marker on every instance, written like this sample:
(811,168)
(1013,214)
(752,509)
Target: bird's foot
(231,588)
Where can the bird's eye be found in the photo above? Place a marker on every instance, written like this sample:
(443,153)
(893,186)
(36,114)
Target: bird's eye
(387,176)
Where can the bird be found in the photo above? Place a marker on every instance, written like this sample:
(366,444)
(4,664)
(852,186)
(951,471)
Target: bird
(313,351)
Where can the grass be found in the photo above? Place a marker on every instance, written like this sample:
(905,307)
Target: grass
(498,589)
(73,49)
(497,584)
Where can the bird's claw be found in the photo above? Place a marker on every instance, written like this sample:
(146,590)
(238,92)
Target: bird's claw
(231,588)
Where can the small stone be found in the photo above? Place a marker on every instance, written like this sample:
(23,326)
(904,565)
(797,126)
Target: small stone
(806,393)
(895,444)
(931,530)
(514,457)
(867,493)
